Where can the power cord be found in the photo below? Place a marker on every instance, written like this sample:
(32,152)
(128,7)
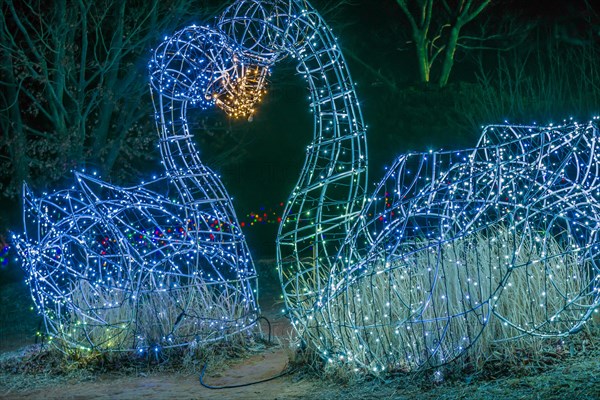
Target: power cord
(284,373)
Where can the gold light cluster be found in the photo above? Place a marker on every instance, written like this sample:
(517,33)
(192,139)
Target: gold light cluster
(242,93)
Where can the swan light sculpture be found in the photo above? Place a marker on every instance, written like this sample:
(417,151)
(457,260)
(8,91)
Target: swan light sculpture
(164,263)
(453,250)
(461,250)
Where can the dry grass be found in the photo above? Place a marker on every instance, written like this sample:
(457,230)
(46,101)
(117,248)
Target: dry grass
(567,368)
(36,365)
(563,368)
(111,319)
(482,298)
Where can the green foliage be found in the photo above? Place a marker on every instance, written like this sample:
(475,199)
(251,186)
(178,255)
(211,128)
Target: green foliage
(436,31)
(545,82)
(548,82)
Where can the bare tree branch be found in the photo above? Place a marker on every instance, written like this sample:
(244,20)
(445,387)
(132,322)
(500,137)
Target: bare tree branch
(431,48)
(74,83)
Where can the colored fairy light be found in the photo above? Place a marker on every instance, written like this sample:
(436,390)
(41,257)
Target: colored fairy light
(244,92)
(157,265)
(183,69)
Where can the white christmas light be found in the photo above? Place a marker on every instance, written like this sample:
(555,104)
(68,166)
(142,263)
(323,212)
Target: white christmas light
(467,248)
(453,250)
(450,242)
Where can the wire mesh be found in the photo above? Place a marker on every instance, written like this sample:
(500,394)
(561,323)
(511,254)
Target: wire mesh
(330,192)
(453,250)
(469,248)
(164,263)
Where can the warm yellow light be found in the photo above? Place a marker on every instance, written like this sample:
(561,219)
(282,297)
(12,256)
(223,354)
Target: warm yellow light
(244,91)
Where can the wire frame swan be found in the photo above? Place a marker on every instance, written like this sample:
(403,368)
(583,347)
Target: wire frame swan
(453,250)
(471,248)
(164,263)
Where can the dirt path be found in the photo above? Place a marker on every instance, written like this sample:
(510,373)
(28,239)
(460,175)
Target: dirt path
(575,377)
(176,386)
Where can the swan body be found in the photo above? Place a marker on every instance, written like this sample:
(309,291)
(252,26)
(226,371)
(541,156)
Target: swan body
(470,247)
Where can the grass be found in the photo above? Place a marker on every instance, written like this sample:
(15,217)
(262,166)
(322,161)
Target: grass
(572,373)
(564,368)
(500,295)
(567,368)
(112,319)
(37,365)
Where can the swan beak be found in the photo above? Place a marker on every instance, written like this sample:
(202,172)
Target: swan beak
(243,91)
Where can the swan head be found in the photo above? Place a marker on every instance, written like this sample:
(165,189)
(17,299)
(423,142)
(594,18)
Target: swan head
(267,29)
(203,66)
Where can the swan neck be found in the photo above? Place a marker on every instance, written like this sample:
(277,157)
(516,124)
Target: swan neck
(331,190)
(176,145)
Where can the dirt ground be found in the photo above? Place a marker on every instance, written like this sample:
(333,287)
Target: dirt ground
(576,376)
(180,386)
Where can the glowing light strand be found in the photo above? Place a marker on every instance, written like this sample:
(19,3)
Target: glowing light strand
(424,271)
(454,250)
(330,192)
(462,249)
(158,265)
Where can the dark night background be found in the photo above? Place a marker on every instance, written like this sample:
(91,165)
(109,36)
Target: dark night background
(261,160)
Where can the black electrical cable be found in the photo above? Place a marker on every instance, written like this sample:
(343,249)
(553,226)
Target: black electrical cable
(284,373)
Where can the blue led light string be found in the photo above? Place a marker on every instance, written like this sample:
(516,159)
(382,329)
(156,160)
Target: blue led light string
(161,264)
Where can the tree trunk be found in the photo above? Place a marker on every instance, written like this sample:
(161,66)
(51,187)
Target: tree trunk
(110,85)
(13,126)
(449,55)
(422,58)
